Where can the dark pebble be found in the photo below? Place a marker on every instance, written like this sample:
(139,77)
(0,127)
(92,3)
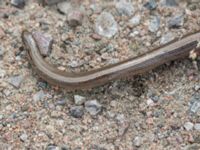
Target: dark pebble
(77,111)
(75,18)
(18,3)
(176,21)
(151,5)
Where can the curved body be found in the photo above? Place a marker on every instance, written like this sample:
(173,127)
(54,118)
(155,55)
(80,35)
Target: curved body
(137,65)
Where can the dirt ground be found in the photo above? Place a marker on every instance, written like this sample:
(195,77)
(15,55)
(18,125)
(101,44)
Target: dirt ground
(157,110)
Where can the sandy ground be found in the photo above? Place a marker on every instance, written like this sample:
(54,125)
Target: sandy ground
(157,110)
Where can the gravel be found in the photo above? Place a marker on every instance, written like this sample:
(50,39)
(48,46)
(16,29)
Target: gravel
(18,3)
(79,100)
(106,25)
(176,21)
(188,126)
(77,111)
(93,107)
(154,23)
(16,80)
(159,109)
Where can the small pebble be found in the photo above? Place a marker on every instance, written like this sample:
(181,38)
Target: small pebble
(197,87)
(195,107)
(16,80)
(188,126)
(176,21)
(125,8)
(93,107)
(52,147)
(75,18)
(2,33)
(137,141)
(74,64)
(79,100)
(134,21)
(77,111)
(150,102)
(151,5)
(2,73)
(106,25)
(154,23)
(169,3)
(39,96)
(24,137)
(96,8)
(197,126)
(18,3)
(1,51)
(64,7)
(44,43)
(61,102)
(166,38)
(1,116)
(120,118)
(96,36)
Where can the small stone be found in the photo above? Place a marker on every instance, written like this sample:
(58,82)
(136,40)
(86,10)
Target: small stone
(96,8)
(64,7)
(52,147)
(188,126)
(2,33)
(150,102)
(96,36)
(61,68)
(65,147)
(120,118)
(2,73)
(176,21)
(93,107)
(151,5)
(1,116)
(44,43)
(61,102)
(167,38)
(18,3)
(169,3)
(75,18)
(195,106)
(79,100)
(135,21)
(197,126)
(154,23)
(197,87)
(56,114)
(16,80)
(125,8)
(134,33)
(24,137)
(1,51)
(150,121)
(50,2)
(137,141)
(74,64)
(194,146)
(39,96)
(106,25)
(77,111)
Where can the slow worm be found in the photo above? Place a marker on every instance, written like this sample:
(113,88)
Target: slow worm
(137,65)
